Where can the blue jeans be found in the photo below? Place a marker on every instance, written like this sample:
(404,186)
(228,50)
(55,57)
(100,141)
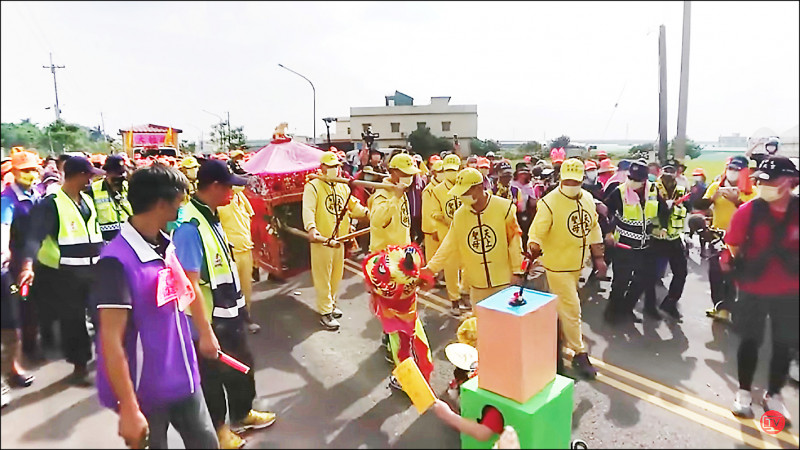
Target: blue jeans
(191,420)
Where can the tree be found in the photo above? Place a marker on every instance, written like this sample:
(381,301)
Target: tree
(426,144)
(187,146)
(227,141)
(481,148)
(24,134)
(643,150)
(559,142)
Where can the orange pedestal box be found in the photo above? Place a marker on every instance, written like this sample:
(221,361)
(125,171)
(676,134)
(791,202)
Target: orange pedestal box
(516,344)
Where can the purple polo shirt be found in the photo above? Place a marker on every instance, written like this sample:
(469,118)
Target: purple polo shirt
(158,340)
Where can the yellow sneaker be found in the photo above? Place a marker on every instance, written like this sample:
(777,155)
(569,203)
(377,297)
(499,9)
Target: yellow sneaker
(255,420)
(228,439)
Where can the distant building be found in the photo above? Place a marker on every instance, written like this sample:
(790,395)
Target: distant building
(395,121)
(732,141)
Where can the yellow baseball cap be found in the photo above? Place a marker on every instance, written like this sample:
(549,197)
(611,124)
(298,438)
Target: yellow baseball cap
(466,179)
(451,162)
(572,169)
(189,162)
(330,159)
(437,165)
(404,163)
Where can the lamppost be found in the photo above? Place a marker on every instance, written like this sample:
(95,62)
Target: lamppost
(328,121)
(314,91)
(223,121)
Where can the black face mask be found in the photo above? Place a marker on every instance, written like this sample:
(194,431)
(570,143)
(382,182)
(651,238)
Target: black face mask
(116,182)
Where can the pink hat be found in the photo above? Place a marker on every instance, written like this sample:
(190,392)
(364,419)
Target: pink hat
(606,165)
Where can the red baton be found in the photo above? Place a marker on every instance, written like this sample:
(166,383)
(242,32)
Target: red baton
(236,364)
(625,246)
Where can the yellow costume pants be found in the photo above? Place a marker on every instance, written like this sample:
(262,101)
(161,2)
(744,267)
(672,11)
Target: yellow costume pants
(430,246)
(478,294)
(327,269)
(244,265)
(565,286)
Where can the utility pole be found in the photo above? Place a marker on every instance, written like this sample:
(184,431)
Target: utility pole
(103,125)
(229,130)
(662,95)
(53,68)
(683,96)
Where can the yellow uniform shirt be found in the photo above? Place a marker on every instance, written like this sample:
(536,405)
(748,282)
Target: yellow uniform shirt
(429,207)
(322,204)
(723,208)
(235,220)
(564,228)
(390,222)
(487,245)
(448,205)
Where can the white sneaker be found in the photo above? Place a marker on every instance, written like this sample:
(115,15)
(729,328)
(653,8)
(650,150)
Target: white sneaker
(329,322)
(775,403)
(253,328)
(743,404)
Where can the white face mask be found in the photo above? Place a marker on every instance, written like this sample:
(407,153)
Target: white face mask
(698,179)
(467,200)
(635,185)
(331,171)
(485,172)
(732,175)
(406,181)
(571,191)
(769,193)
(591,175)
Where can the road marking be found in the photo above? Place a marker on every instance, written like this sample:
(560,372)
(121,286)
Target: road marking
(718,410)
(421,300)
(688,414)
(784,435)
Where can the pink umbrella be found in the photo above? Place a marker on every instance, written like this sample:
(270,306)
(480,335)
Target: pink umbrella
(283,156)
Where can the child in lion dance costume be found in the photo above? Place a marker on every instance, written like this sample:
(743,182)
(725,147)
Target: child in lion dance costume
(392,277)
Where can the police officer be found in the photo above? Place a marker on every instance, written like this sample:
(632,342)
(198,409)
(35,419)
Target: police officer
(484,239)
(206,257)
(666,245)
(327,208)
(110,195)
(65,225)
(632,207)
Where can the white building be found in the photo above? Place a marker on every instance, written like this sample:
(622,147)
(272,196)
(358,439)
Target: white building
(395,121)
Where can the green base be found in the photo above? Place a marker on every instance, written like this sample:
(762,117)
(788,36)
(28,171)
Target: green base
(545,421)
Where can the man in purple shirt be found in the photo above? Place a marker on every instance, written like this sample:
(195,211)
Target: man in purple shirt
(147,365)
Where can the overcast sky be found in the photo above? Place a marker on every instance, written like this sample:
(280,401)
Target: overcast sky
(535,70)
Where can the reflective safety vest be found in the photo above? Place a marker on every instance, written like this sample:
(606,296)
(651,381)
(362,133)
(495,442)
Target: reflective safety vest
(221,287)
(79,242)
(677,217)
(110,214)
(632,224)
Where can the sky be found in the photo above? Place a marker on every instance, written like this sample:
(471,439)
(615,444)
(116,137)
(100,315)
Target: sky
(536,70)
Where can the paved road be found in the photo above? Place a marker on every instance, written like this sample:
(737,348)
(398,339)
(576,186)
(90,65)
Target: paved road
(660,385)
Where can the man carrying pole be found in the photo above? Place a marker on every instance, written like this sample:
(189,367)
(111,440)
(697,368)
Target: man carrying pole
(390,222)
(327,208)
(443,216)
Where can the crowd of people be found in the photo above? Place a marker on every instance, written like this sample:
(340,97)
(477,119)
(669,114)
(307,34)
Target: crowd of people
(155,256)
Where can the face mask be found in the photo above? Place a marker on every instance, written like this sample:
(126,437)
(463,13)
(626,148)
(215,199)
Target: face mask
(698,179)
(406,181)
(635,185)
(116,182)
(331,172)
(571,191)
(732,175)
(651,178)
(451,176)
(27,178)
(485,172)
(467,200)
(591,175)
(191,174)
(623,173)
